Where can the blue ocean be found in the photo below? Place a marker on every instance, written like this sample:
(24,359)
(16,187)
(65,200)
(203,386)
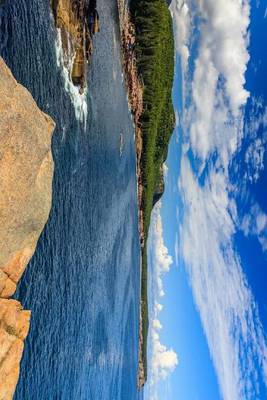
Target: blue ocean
(83,282)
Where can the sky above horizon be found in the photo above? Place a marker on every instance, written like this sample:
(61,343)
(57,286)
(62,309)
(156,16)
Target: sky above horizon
(207,248)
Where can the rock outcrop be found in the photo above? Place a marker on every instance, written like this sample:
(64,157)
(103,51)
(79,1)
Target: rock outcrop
(26,170)
(135,98)
(77,21)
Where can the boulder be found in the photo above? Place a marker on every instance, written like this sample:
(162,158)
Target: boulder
(26,171)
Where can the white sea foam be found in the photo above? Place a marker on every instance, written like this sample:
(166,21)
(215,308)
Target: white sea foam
(78,100)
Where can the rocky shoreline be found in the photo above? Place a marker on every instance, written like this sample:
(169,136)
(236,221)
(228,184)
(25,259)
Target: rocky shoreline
(77,21)
(135,99)
(26,167)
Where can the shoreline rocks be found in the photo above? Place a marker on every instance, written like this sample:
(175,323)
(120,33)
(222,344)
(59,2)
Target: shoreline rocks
(135,98)
(26,171)
(77,22)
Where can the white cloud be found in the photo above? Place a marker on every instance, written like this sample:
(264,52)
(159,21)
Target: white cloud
(156,324)
(161,360)
(254,159)
(224,38)
(165,170)
(182,25)
(161,258)
(158,308)
(255,223)
(164,361)
(220,65)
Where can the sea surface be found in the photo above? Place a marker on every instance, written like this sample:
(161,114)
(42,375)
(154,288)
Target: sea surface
(83,281)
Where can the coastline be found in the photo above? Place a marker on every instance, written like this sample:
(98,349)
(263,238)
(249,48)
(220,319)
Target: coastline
(148,63)
(135,100)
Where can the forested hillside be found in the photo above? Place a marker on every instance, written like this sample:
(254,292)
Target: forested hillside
(155,61)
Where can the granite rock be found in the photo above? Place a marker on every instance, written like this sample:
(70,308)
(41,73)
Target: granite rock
(26,171)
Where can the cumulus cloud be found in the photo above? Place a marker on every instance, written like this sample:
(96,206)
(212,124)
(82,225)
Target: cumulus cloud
(160,258)
(219,68)
(162,361)
(156,324)
(182,25)
(228,312)
(224,42)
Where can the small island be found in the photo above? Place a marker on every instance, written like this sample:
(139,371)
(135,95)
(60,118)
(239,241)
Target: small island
(148,48)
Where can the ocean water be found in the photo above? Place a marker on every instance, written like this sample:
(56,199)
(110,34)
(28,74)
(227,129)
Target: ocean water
(83,281)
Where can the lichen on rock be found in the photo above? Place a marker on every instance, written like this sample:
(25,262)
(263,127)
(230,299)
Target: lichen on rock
(26,171)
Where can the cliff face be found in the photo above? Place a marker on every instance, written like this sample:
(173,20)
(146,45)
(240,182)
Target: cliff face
(26,170)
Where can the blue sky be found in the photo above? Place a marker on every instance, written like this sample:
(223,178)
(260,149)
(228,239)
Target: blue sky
(208,237)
